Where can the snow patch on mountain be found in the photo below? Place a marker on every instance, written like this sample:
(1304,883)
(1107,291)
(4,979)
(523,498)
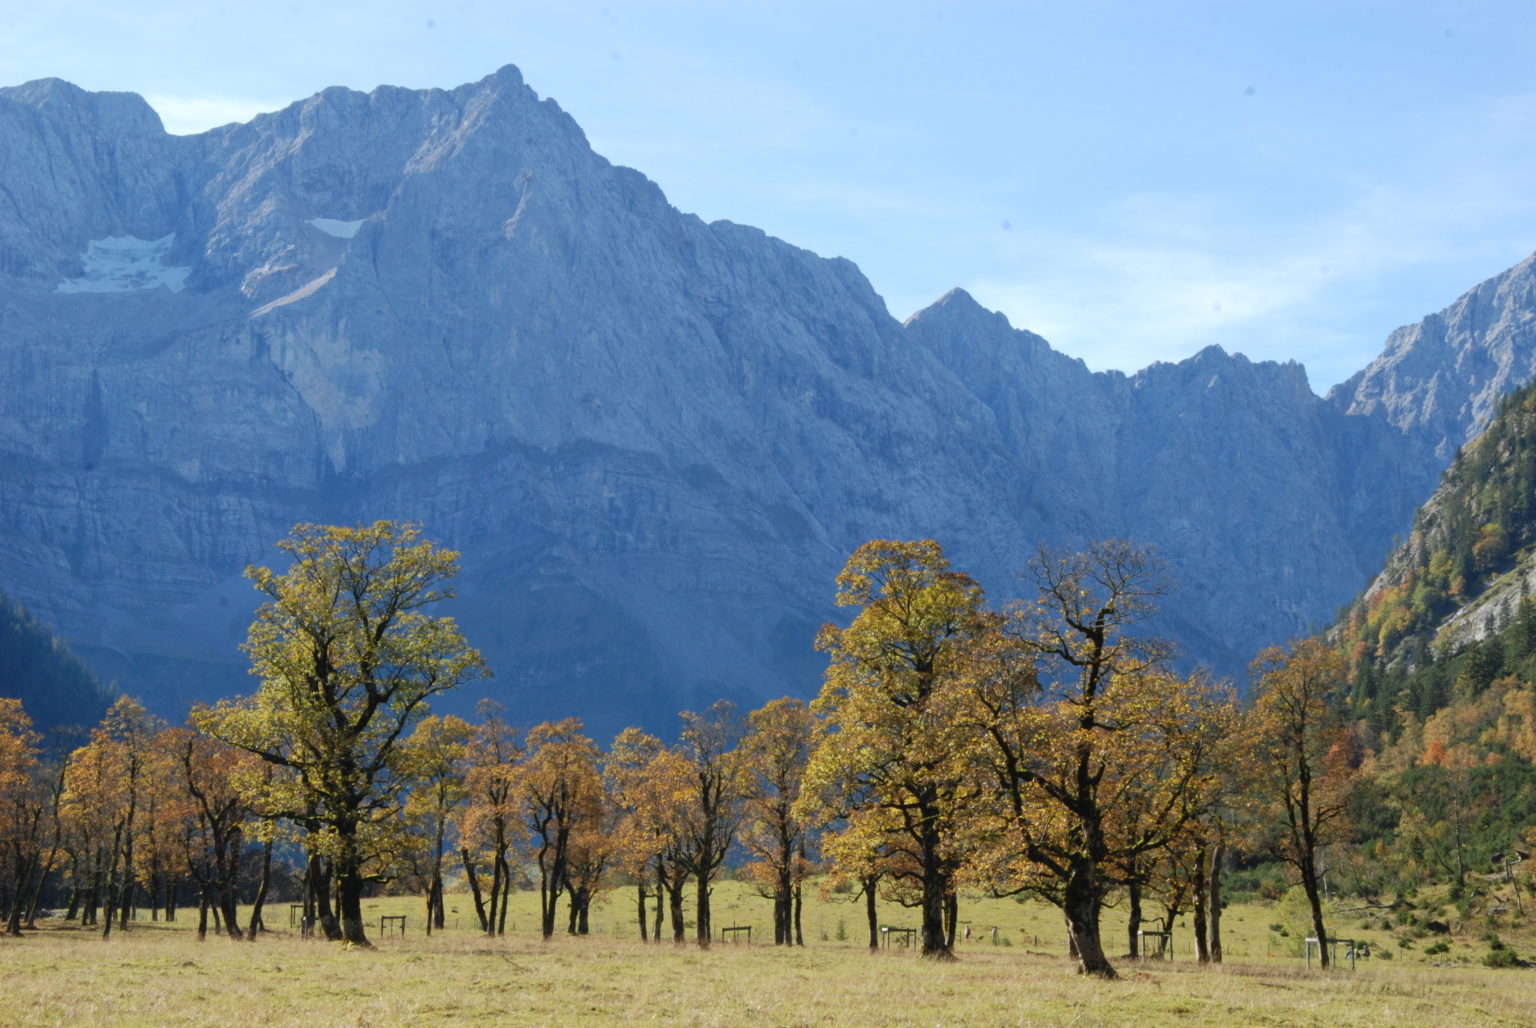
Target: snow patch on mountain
(126,264)
(339,229)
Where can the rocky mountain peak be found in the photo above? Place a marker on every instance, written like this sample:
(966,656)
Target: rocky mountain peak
(1442,378)
(1213,369)
(957,305)
(507,79)
(655,440)
(102,114)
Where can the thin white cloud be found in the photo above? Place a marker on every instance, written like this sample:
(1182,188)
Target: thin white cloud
(1160,277)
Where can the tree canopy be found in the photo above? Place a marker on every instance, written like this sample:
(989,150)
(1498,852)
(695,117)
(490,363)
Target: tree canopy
(348,657)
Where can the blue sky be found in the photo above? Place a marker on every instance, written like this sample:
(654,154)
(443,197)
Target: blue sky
(1134,181)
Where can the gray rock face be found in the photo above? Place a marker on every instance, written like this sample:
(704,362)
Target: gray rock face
(656,440)
(1440,380)
(1268,503)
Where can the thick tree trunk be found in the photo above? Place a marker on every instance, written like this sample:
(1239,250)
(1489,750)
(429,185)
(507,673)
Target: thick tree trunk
(640,897)
(951,918)
(550,884)
(1214,902)
(799,898)
(1315,901)
(436,917)
(783,897)
(497,866)
(111,894)
(1081,903)
(230,912)
(323,874)
(226,884)
(349,888)
(934,882)
(675,905)
(125,891)
(661,893)
(1133,918)
(870,913)
(202,916)
(781,907)
(578,897)
(474,888)
(23,870)
(702,926)
(505,871)
(661,890)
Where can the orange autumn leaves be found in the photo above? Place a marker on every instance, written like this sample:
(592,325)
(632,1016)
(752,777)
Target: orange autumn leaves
(1047,746)
(1042,747)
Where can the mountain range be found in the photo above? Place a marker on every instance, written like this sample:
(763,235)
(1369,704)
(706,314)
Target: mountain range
(655,440)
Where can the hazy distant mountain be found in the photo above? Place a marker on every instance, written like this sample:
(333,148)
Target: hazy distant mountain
(656,440)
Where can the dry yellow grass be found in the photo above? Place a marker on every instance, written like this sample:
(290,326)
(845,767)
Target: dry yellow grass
(158,974)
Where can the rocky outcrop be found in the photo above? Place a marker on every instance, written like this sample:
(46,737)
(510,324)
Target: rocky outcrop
(1440,380)
(656,440)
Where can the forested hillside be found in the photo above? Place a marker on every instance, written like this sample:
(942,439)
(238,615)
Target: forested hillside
(1443,655)
(38,669)
(1475,529)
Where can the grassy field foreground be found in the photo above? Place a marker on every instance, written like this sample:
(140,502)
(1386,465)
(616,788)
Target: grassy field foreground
(158,974)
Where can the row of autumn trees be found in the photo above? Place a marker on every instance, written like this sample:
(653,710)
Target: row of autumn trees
(337,754)
(1048,749)
(132,815)
(144,810)
(1043,748)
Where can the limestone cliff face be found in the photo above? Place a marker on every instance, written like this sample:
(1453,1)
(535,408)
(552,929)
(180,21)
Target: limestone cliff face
(1268,503)
(1440,380)
(656,440)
